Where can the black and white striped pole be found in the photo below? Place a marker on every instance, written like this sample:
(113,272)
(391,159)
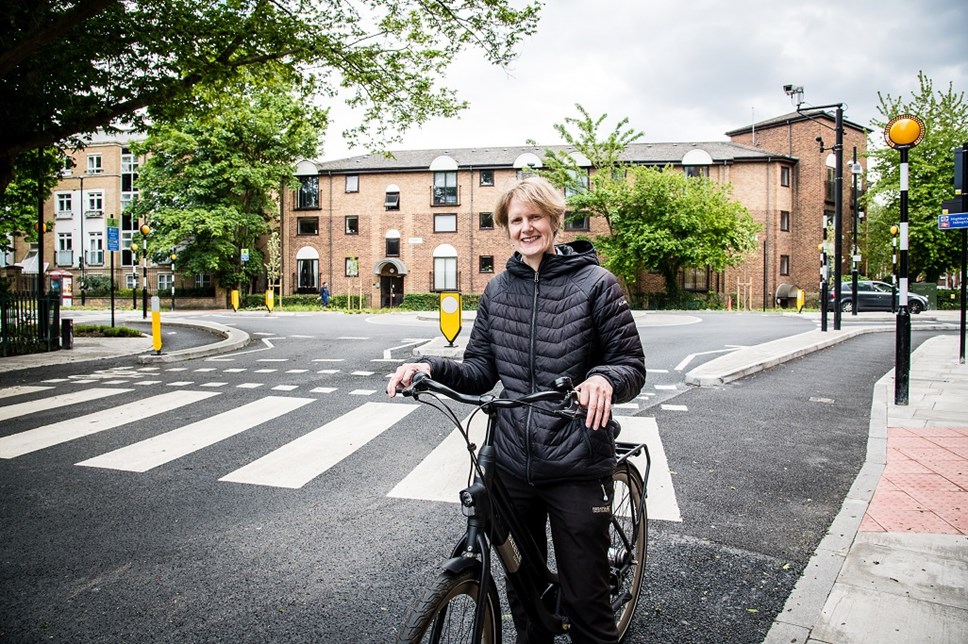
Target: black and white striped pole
(902,133)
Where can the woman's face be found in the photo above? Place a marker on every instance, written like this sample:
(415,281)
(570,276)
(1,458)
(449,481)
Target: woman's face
(530,231)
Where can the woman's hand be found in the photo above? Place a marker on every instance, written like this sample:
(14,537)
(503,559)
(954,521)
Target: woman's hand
(595,394)
(403,376)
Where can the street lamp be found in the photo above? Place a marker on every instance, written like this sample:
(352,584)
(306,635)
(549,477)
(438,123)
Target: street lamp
(796,94)
(80,261)
(894,230)
(855,169)
(134,274)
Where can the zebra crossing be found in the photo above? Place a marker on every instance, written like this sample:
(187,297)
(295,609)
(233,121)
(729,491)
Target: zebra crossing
(439,477)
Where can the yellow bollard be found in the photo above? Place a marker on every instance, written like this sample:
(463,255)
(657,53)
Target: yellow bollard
(156,323)
(450,315)
(801,299)
(270,300)
(235,299)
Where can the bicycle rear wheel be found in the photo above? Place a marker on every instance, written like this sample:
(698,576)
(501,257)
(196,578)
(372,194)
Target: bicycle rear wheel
(446,613)
(627,552)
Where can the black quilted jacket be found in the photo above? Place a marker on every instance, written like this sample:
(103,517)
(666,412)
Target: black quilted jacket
(568,319)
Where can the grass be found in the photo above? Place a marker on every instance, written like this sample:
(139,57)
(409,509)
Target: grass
(105,331)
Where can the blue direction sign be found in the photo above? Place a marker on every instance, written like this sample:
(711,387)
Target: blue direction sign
(954,220)
(113,238)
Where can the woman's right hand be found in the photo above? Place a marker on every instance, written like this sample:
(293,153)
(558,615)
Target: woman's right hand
(403,376)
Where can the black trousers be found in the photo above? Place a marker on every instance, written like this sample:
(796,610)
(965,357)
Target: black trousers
(579,531)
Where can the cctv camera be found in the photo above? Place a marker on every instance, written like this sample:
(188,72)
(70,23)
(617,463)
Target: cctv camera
(819,139)
(788,89)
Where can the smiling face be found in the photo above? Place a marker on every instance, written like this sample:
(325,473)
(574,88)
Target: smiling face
(531,231)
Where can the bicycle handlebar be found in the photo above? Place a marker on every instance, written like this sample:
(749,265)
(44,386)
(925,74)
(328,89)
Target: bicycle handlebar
(563,391)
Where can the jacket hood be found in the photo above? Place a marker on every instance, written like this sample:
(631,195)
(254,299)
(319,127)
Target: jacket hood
(569,257)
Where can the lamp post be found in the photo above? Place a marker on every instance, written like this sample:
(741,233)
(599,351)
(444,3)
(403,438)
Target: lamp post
(894,230)
(80,260)
(902,133)
(823,281)
(173,258)
(145,231)
(855,169)
(134,273)
(796,93)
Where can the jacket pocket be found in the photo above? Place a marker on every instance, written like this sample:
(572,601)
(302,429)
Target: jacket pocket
(600,443)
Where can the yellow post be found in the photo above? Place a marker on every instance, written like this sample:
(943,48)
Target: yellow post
(235,299)
(156,323)
(270,299)
(450,315)
(801,299)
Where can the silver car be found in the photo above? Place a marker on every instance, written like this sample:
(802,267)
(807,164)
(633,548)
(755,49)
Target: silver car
(876,296)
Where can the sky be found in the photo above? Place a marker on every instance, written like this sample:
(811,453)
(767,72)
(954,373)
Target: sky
(691,70)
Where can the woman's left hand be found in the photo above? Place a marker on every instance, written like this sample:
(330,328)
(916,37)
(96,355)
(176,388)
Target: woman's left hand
(595,394)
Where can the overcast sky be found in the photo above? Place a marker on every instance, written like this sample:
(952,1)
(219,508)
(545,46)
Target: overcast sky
(690,70)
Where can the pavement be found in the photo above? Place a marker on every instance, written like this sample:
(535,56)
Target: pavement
(893,566)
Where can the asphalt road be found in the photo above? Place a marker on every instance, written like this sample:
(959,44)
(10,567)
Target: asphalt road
(173,553)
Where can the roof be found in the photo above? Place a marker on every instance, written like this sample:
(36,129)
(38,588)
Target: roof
(721,152)
(794,117)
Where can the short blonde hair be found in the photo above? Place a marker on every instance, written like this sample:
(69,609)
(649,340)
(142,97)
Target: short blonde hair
(536,191)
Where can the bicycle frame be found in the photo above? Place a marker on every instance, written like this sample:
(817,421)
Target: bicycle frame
(492,523)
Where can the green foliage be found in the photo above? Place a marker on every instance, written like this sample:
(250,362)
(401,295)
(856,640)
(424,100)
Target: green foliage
(665,221)
(105,331)
(209,184)
(19,203)
(73,67)
(431,302)
(932,252)
(97,285)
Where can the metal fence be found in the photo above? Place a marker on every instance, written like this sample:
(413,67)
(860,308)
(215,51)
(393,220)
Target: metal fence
(29,322)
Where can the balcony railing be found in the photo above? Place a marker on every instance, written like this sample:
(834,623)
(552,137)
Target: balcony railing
(64,258)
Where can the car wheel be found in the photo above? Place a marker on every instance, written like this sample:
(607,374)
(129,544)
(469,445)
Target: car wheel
(915,306)
(847,306)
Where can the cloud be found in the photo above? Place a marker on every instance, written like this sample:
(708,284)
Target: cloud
(690,71)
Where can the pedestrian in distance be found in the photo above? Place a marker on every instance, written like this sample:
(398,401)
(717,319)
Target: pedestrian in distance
(553,312)
(324,295)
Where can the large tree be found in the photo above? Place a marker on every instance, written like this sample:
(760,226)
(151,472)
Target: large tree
(665,221)
(68,68)
(20,202)
(931,252)
(210,185)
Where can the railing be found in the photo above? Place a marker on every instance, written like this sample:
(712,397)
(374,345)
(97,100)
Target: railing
(29,323)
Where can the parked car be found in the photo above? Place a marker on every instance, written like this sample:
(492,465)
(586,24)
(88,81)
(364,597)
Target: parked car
(875,296)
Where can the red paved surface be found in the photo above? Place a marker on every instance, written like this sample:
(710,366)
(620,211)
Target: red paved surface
(924,487)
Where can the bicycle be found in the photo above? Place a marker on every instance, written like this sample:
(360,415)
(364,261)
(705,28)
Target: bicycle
(463,605)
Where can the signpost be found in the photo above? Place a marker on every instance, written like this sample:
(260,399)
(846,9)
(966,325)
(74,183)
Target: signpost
(959,220)
(450,315)
(113,246)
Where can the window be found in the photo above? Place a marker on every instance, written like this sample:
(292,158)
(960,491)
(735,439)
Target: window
(65,202)
(487,177)
(352,183)
(487,221)
(697,171)
(445,188)
(352,267)
(203,280)
(95,249)
(352,225)
(392,201)
(785,176)
(307,269)
(308,195)
(785,220)
(94,202)
(94,164)
(445,223)
(65,249)
(445,273)
(784,264)
(165,281)
(830,185)
(392,243)
(576,221)
(130,280)
(485,263)
(307,226)
(695,279)
(524,173)
(579,183)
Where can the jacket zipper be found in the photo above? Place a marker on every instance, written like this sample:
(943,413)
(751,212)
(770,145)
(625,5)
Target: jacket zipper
(528,425)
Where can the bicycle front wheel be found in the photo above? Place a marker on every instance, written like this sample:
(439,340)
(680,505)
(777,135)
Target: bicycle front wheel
(627,552)
(446,613)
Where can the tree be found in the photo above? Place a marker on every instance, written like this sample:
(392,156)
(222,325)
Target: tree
(665,221)
(931,252)
(212,177)
(72,68)
(565,168)
(19,204)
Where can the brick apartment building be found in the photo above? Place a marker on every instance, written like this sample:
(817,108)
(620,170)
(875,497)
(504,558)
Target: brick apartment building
(422,221)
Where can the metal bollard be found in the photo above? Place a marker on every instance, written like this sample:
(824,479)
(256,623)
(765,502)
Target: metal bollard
(67,333)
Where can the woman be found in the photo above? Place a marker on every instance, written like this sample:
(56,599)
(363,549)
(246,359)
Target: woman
(553,312)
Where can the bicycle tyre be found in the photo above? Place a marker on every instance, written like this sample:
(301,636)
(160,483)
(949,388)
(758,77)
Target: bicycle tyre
(628,535)
(450,603)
